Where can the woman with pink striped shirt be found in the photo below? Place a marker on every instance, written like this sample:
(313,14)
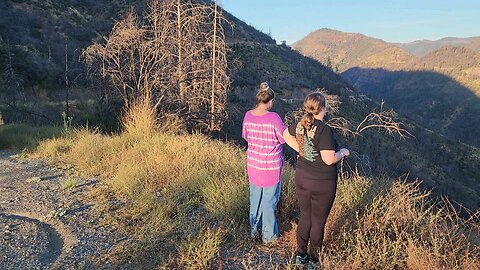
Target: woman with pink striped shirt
(263,131)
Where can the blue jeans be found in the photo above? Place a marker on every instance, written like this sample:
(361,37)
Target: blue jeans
(263,202)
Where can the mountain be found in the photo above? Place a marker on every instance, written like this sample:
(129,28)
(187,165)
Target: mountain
(420,48)
(439,91)
(442,164)
(345,50)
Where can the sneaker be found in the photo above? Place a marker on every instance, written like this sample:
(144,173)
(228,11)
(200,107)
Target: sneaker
(313,265)
(300,260)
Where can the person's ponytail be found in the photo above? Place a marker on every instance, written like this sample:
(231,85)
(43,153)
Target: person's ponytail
(313,104)
(307,120)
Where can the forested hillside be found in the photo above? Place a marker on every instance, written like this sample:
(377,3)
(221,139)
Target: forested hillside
(41,43)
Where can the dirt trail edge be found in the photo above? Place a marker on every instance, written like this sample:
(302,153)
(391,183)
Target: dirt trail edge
(46,221)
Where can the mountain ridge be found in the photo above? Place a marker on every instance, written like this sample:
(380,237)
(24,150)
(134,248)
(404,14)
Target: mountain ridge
(420,48)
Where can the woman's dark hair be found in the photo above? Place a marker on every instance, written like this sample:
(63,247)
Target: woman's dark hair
(265,93)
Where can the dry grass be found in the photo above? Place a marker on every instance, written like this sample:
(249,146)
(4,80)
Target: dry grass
(400,228)
(140,119)
(164,180)
(186,196)
(198,252)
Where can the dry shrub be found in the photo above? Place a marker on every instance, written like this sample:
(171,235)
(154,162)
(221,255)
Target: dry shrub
(174,56)
(172,123)
(140,119)
(291,236)
(354,193)
(226,200)
(288,206)
(175,184)
(420,259)
(198,252)
(400,228)
(53,147)
(163,180)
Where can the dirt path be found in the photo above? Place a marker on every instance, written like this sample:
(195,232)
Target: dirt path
(46,222)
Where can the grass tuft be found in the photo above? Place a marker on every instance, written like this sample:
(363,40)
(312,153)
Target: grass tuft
(198,252)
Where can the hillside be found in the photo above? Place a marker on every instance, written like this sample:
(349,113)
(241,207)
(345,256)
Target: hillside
(431,157)
(460,63)
(439,90)
(136,214)
(37,38)
(420,48)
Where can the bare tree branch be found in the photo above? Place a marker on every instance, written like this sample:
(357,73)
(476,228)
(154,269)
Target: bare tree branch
(176,52)
(382,120)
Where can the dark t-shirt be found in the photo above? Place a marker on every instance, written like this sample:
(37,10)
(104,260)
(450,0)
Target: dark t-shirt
(322,140)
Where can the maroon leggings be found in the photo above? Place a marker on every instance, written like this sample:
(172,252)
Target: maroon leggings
(315,198)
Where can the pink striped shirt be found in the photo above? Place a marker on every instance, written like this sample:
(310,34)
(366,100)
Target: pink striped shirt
(264,135)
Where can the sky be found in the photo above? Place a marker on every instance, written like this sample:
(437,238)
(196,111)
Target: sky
(392,21)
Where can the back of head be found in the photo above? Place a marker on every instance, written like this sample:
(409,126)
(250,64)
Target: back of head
(312,105)
(264,94)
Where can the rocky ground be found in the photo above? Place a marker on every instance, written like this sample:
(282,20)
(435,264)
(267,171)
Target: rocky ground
(47,221)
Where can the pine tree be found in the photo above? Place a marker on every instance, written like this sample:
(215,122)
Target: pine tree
(308,149)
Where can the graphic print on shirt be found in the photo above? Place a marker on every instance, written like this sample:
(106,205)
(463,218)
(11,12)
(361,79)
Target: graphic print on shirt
(307,150)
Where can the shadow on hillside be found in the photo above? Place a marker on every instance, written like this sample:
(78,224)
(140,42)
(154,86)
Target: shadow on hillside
(440,112)
(431,99)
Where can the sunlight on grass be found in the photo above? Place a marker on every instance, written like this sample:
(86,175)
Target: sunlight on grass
(187,195)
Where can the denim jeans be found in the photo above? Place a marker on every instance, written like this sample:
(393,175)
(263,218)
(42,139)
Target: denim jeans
(263,202)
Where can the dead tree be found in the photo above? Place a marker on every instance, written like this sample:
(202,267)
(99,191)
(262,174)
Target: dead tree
(174,57)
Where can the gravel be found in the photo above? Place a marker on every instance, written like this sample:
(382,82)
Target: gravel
(44,225)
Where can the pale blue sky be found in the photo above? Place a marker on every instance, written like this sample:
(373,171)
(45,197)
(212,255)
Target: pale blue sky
(390,20)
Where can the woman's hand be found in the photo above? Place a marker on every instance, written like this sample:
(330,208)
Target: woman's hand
(331,157)
(345,152)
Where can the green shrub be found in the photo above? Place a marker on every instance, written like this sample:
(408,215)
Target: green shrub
(21,136)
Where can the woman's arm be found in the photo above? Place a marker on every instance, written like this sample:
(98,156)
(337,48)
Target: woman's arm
(331,157)
(290,140)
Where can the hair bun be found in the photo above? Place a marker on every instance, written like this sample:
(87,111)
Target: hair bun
(264,86)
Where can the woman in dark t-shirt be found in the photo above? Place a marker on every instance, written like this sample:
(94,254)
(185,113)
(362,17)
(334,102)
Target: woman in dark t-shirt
(315,176)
